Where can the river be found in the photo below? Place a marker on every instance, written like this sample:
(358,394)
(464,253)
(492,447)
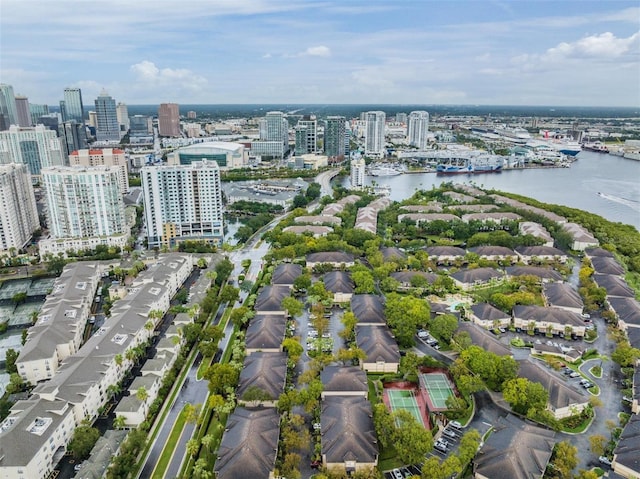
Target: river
(606,185)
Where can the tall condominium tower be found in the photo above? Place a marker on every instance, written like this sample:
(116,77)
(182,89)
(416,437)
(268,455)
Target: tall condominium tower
(306,135)
(169,119)
(84,201)
(334,137)
(183,202)
(401,118)
(8,113)
(37,147)
(73,136)
(374,134)
(37,111)
(122,113)
(418,129)
(18,214)
(274,135)
(357,173)
(22,111)
(104,157)
(73,107)
(107,128)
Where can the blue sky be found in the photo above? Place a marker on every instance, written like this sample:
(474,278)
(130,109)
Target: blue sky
(577,53)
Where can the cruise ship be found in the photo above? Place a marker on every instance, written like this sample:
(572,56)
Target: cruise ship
(474,165)
(596,146)
(382,169)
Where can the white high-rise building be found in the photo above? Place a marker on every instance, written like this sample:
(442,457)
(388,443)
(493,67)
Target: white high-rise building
(306,136)
(122,113)
(37,147)
(374,134)
(183,202)
(84,208)
(418,129)
(357,173)
(18,212)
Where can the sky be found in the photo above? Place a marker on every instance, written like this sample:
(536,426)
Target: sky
(507,52)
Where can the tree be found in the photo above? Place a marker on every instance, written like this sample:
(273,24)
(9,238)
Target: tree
(625,355)
(11,357)
(84,438)
(19,298)
(229,294)
(444,326)
(598,444)
(192,447)
(405,315)
(221,376)
(240,315)
(564,459)
(223,270)
(469,444)
(411,440)
(363,281)
(56,265)
(255,395)
(293,348)
(461,340)
(192,412)
(292,306)
(302,282)
(523,395)
(119,422)
(384,424)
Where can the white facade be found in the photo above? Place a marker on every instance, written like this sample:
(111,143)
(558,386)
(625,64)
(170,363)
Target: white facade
(18,212)
(274,135)
(37,147)
(122,114)
(374,134)
(183,202)
(357,173)
(418,129)
(104,157)
(84,202)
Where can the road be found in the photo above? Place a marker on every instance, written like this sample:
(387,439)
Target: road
(324,179)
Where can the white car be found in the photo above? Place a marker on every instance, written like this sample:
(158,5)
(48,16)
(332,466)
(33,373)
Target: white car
(604,460)
(455,424)
(449,433)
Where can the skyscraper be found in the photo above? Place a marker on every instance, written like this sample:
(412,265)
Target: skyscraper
(357,173)
(122,112)
(22,111)
(107,128)
(169,119)
(73,136)
(84,202)
(183,202)
(37,111)
(274,135)
(374,134)
(37,147)
(103,157)
(306,135)
(73,107)
(18,214)
(8,114)
(418,129)
(334,137)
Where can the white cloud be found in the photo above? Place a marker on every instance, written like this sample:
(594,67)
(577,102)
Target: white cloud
(318,51)
(605,46)
(180,78)
(266,55)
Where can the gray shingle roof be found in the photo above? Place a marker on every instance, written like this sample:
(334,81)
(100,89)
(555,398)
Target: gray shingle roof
(598,252)
(614,285)
(266,331)
(539,251)
(606,265)
(391,252)
(368,309)
(562,295)
(444,251)
(270,298)
(627,309)
(484,339)
(378,344)
(249,444)
(627,452)
(348,433)
(553,315)
(330,257)
(540,272)
(405,277)
(338,282)
(267,371)
(492,251)
(560,393)
(343,378)
(477,275)
(286,273)
(486,312)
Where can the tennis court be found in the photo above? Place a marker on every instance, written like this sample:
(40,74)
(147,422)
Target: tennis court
(438,389)
(405,399)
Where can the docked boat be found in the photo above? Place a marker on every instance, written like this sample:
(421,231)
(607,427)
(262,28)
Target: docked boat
(475,165)
(385,170)
(596,146)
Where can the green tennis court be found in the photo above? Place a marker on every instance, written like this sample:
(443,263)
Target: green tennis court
(438,388)
(405,399)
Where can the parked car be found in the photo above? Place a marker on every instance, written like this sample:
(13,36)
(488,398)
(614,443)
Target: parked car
(440,447)
(604,460)
(449,433)
(455,424)
(397,474)
(422,334)
(574,375)
(587,385)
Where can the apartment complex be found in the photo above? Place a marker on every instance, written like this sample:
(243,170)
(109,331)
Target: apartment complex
(169,119)
(374,134)
(107,127)
(122,114)
(23,116)
(183,202)
(8,113)
(37,147)
(103,157)
(18,213)
(84,208)
(418,129)
(37,431)
(306,135)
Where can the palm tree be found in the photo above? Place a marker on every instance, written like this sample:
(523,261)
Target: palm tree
(113,390)
(142,394)
(118,359)
(201,469)
(119,422)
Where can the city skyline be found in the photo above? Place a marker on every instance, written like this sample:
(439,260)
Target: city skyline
(467,52)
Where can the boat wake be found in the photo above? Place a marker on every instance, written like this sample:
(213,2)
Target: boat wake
(633,204)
